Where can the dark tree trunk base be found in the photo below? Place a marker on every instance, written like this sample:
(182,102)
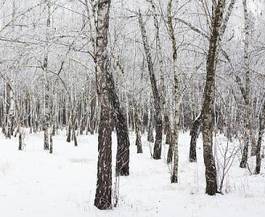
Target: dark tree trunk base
(20,142)
(46,140)
(51,144)
(170,154)
(244,160)
(174,179)
(195,130)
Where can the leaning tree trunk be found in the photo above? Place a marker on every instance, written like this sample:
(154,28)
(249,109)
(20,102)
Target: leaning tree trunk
(156,95)
(103,197)
(208,99)
(123,142)
(160,60)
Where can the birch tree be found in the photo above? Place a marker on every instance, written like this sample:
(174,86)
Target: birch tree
(209,98)
(246,91)
(103,197)
(157,97)
(177,94)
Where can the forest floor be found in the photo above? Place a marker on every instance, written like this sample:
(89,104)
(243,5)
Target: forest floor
(35,183)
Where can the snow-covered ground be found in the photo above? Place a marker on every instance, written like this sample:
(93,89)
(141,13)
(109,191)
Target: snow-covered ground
(34,183)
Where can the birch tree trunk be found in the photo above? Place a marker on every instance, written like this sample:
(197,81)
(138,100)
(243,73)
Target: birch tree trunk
(46,111)
(150,135)
(198,122)
(9,110)
(260,137)
(160,60)
(209,98)
(194,133)
(177,96)
(247,115)
(138,141)
(123,142)
(103,197)
(156,95)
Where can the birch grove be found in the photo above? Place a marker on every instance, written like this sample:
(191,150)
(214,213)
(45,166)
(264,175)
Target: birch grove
(137,73)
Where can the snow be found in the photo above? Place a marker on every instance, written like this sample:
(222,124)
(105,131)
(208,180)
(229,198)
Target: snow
(35,183)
